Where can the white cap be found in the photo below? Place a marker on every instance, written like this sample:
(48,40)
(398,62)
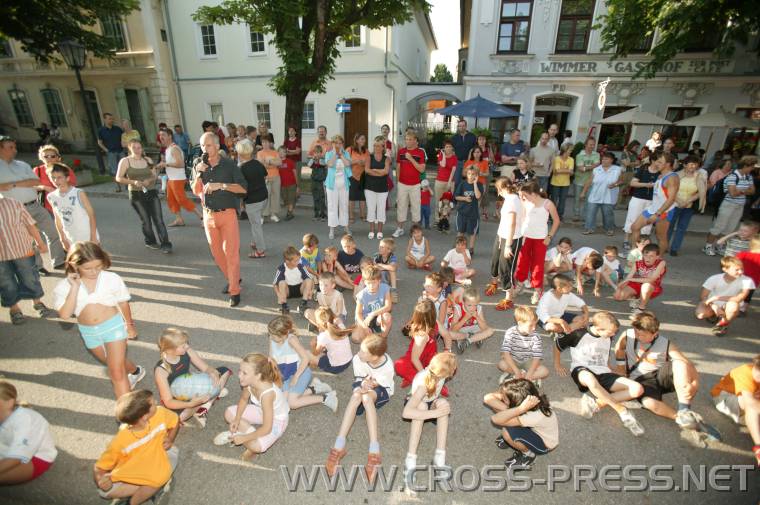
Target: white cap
(425,183)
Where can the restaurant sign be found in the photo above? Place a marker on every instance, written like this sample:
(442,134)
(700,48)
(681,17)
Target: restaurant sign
(631,67)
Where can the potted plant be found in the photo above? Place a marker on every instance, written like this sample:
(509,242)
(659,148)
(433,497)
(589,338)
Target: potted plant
(83,173)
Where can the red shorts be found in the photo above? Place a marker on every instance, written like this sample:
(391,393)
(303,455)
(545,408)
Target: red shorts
(636,287)
(40,466)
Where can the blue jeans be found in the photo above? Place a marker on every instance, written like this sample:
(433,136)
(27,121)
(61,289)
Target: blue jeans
(543,182)
(608,215)
(559,195)
(458,173)
(579,204)
(678,227)
(19,280)
(112,161)
(425,210)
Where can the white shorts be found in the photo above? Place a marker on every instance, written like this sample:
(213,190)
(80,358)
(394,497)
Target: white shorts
(254,416)
(728,218)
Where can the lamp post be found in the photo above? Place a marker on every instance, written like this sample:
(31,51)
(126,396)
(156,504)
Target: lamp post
(74,55)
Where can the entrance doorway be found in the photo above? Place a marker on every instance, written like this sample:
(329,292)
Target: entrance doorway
(356,121)
(93,108)
(135,112)
(550,109)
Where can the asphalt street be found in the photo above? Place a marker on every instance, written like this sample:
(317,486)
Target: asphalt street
(55,374)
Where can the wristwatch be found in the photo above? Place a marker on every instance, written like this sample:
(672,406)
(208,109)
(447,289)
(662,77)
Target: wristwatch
(224,186)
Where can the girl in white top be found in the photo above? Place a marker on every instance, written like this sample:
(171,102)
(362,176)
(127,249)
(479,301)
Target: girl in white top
(331,350)
(418,250)
(27,449)
(100,301)
(507,244)
(174,165)
(424,403)
(536,237)
(74,216)
(262,403)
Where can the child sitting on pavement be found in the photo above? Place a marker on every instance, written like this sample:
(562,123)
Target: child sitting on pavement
(373,306)
(552,308)
(291,280)
(521,349)
(644,282)
(610,272)
(723,294)
(469,325)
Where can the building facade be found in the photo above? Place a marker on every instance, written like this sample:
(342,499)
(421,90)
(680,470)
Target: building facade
(544,59)
(135,85)
(222,74)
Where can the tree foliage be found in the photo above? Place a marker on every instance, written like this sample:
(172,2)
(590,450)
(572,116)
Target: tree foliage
(306,35)
(41,24)
(441,74)
(718,24)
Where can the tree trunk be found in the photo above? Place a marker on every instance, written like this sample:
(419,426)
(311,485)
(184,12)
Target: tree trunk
(294,101)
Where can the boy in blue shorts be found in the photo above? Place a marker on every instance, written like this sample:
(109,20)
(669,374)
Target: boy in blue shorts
(373,306)
(467,196)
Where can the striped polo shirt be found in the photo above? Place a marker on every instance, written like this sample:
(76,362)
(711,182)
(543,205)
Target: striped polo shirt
(742,182)
(14,220)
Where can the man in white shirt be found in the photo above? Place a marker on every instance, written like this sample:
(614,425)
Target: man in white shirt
(541,158)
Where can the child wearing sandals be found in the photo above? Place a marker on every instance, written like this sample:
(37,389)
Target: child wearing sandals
(469,325)
(293,361)
(261,415)
(424,403)
(27,448)
(521,349)
(528,423)
(552,308)
(418,250)
(331,349)
(423,332)
(176,359)
(589,369)
(100,301)
(372,388)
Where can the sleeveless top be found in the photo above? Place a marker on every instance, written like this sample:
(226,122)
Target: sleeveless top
(173,173)
(281,407)
(643,270)
(376,183)
(641,359)
(69,209)
(286,357)
(139,174)
(660,194)
(181,367)
(430,349)
(536,221)
(418,250)
(688,187)
(419,381)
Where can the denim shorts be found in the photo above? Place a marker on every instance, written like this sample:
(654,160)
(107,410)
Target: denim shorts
(303,382)
(112,330)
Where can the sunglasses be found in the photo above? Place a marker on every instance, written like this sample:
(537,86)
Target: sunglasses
(51,156)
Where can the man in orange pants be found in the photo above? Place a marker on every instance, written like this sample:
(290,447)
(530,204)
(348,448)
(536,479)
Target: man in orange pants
(220,184)
(174,164)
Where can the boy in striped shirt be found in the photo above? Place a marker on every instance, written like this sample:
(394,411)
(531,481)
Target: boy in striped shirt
(521,349)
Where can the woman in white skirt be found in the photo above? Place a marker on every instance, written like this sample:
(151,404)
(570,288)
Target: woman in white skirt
(642,188)
(336,185)
(376,172)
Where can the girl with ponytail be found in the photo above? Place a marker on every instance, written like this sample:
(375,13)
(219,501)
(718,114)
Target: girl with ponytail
(331,349)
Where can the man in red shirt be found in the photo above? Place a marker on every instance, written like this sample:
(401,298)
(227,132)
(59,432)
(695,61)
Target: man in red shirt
(411,169)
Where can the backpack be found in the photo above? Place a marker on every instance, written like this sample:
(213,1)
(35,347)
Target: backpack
(717,193)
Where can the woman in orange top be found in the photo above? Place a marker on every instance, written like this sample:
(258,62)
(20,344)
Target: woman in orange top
(359,156)
(476,158)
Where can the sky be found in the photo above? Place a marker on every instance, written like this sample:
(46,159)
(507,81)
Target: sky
(444,15)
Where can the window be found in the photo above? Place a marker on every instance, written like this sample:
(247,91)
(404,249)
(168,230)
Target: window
(574,26)
(263,115)
(208,40)
(614,136)
(681,135)
(500,127)
(114,30)
(514,26)
(257,42)
(644,44)
(308,121)
(354,40)
(21,108)
(5,48)
(54,106)
(217,112)
(705,44)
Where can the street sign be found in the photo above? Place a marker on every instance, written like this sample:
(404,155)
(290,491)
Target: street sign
(343,107)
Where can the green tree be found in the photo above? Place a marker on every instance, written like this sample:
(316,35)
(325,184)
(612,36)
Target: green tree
(306,35)
(41,24)
(716,24)
(441,74)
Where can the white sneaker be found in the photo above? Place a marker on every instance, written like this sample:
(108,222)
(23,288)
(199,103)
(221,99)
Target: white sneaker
(331,401)
(331,235)
(503,377)
(223,438)
(398,232)
(589,407)
(224,392)
(726,410)
(687,419)
(371,235)
(709,250)
(634,304)
(631,423)
(379,235)
(275,219)
(320,387)
(136,377)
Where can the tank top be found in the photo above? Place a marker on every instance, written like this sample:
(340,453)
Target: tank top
(174,174)
(181,367)
(430,350)
(418,250)
(376,183)
(419,381)
(281,407)
(139,174)
(660,194)
(641,359)
(286,357)
(644,270)
(687,187)
(69,209)
(536,223)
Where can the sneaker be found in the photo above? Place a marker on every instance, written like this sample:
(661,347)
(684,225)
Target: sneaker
(223,393)
(634,304)
(136,377)
(501,443)
(166,249)
(504,304)
(398,232)
(152,246)
(275,219)
(491,289)
(379,235)
(320,387)
(302,306)
(538,383)
(371,235)
(719,330)
(626,246)
(631,423)
(331,235)
(223,438)
(331,401)
(687,419)
(373,461)
(504,377)
(333,460)
(709,250)
(589,407)
(284,309)
(200,417)
(536,297)
(519,462)
(461,345)
(289,216)
(18,317)
(726,410)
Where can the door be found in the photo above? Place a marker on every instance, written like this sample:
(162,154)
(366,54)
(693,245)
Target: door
(541,122)
(91,101)
(356,121)
(135,112)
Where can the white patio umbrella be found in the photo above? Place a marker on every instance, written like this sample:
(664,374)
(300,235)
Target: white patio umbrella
(635,116)
(720,119)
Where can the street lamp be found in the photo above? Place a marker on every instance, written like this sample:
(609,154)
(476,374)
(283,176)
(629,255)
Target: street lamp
(74,54)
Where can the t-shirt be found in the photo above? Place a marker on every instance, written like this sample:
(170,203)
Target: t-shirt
(407,174)
(335,302)
(735,245)
(545,427)
(358,162)
(338,351)
(287,173)
(26,434)
(255,174)
(457,260)
(512,204)
(291,276)
(586,350)
(600,191)
(718,286)
(382,373)
(111,138)
(110,290)
(425,196)
(350,262)
(372,301)
(468,209)
(542,156)
(644,176)
(550,306)
(139,458)
(481,167)
(736,382)
(292,145)
(551,255)
(751,262)
(312,259)
(513,150)
(269,154)
(613,265)
(522,347)
(741,182)
(16,171)
(445,172)
(584,159)
(560,164)
(580,255)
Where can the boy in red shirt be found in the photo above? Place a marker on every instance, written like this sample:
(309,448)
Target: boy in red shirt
(288,182)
